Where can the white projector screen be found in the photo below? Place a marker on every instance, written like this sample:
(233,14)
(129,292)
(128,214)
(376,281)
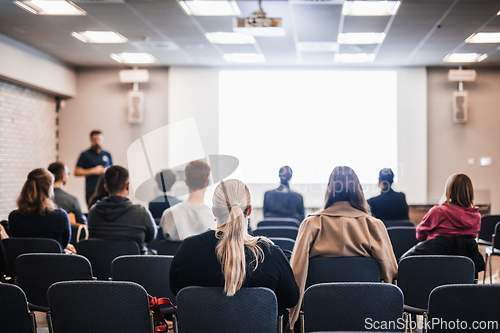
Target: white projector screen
(309,120)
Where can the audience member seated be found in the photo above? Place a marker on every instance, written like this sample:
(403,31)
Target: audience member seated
(344,228)
(37,215)
(99,193)
(62,198)
(283,202)
(191,217)
(165,180)
(3,259)
(451,228)
(116,217)
(229,257)
(389,205)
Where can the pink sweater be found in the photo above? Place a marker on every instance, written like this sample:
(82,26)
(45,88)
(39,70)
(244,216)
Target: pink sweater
(449,220)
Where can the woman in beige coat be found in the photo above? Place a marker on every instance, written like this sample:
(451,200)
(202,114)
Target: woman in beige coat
(344,228)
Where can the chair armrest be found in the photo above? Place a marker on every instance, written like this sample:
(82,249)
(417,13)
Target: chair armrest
(32,322)
(302,322)
(280,324)
(174,318)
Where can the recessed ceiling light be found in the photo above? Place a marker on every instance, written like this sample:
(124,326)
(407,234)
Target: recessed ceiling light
(50,7)
(361,38)
(100,37)
(370,8)
(133,58)
(354,57)
(210,8)
(484,37)
(229,38)
(464,57)
(244,58)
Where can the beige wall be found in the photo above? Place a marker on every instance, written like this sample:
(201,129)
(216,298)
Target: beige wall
(101,103)
(450,145)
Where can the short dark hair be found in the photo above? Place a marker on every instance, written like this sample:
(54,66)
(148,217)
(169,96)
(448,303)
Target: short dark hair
(57,169)
(95,132)
(197,174)
(116,178)
(165,180)
(386,176)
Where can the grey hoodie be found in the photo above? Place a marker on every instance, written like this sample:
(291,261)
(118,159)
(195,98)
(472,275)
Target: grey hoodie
(116,217)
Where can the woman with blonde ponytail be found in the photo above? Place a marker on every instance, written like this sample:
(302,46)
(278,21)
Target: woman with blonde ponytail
(36,215)
(231,258)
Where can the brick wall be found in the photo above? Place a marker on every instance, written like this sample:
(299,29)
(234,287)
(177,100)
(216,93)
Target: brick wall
(28,140)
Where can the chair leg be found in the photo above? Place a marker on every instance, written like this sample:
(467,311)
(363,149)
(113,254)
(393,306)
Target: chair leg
(152,321)
(32,322)
(174,319)
(485,267)
(49,322)
(302,322)
(491,264)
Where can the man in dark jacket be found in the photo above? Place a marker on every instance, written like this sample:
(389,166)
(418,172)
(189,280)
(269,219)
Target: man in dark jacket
(389,205)
(116,217)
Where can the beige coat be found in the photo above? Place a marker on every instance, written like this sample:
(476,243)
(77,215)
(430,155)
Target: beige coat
(340,231)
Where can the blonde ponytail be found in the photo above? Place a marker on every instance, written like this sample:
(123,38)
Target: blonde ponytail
(231,203)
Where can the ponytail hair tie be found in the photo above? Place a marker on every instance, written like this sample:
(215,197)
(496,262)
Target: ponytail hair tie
(234,205)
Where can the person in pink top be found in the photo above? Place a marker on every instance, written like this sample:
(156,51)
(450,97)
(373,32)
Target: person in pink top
(451,227)
(456,215)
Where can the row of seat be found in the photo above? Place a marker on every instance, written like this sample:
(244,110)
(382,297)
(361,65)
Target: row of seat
(106,306)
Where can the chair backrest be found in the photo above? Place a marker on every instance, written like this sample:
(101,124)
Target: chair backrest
(470,304)
(209,310)
(342,269)
(350,306)
(398,223)
(168,247)
(101,253)
(496,243)
(278,222)
(36,272)
(488,223)
(14,247)
(419,275)
(151,272)
(283,243)
(99,306)
(14,313)
(402,239)
(284,232)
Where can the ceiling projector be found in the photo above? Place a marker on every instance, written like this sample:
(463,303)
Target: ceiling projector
(259,25)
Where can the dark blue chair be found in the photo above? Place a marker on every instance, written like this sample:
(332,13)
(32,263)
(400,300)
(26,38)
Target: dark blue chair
(271,232)
(347,306)
(151,272)
(99,306)
(493,250)
(283,243)
(469,304)
(279,222)
(101,253)
(14,314)
(342,269)
(488,223)
(36,272)
(168,247)
(14,247)
(398,223)
(419,275)
(209,310)
(402,239)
